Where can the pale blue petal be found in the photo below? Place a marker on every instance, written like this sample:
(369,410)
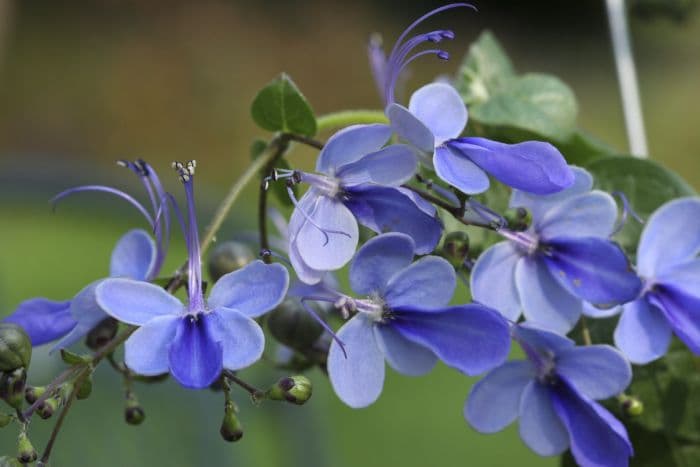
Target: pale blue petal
(588,215)
(493,280)
(600,312)
(378,260)
(358,378)
(440,108)
(597,371)
(540,427)
(671,236)
(494,401)
(43,320)
(253,290)
(134,256)
(541,340)
(350,144)
(240,336)
(429,282)
(146,350)
(410,129)
(539,204)
(135,302)
(545,303)
(403,355)
(643,333)
(195,356)
(391,166)
(683,276)
(86,311)
(457,170)
(302,270)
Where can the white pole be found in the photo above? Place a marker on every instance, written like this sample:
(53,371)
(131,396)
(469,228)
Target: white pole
(627,78)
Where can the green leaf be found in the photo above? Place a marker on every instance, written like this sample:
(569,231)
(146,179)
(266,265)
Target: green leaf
(280,106)
(646,184)
(582,149)
(484,70)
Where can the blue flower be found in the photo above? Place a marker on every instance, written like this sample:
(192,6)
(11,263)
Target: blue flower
(436,116)
(135,256)
(406,321)
(195,341)
(357,180)
(564,258)
(670,270)
(553,394)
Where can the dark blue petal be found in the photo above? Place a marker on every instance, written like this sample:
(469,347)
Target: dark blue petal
(541,340)
(196,359)
(44,320)
(682,311)
(471,338)
(598,371)
(378,260)
(533,166)
(593,269)
(386,209)
(597,438)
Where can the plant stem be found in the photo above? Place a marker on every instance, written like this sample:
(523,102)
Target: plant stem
(282,147)
(350,117)
(256,393)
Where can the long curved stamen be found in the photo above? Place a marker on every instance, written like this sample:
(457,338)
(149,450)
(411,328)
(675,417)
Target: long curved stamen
(441,54)
(626,212)
(321,321)
(378,64)
(325,232)
(103,189)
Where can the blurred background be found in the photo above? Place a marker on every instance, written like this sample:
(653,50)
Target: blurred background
(85,83)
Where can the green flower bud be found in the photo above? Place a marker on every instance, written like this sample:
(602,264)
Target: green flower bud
(12,387)
(10,462)
(231,429)
(48,407)
(631,405)
(228,257)
(85,388)
(32,393)
(293,326)
(518,219)
(25,451)
(5,419)
(294,389)
(133,412)
(455,248)
(15,347)
(102,334)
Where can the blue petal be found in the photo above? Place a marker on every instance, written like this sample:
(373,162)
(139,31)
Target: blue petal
(671,236)
(540,427)
(386,209)
(134,256)
(533,166)
(410,129)
(545,303)
(350,144)
(44,320)
(597,438)
(378,260)
(358,378)
(240,336)
(146,351)
(253,290)
(135,302)
(494,402)
(600,312)
(440,108)
(429,282)
(598,371)
(195,356)
(493,280)
(683,276)
(682,311)
(541,340)
(643,333)
(591,214)
(86,311)
(457,170)
(393,165)
(539,204)
(470,338)
(305,273)
(335,246)
(593,269)
(401,354)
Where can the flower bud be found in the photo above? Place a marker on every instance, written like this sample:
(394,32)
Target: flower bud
(293,326)
(455,248)
(15,347)
(48,407)
(101,334)
(5,420)
(133,412)
(228,257)
(518,219)
(231,429)
(25,451)
(294,389)
(85,388)
(12,387)
(32,393)
(631,405)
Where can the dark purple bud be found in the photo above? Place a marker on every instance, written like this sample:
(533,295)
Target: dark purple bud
(228,257)
(15,347)
(294,389)
(133,412)
(231,429)
(293,326)
(102,333)
(26,453)
(455,248)
(518,219)
(12,387)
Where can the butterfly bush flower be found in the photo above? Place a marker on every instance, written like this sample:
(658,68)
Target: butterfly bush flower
(563,259)
(436,116)
(553,395)
(670,299)
(405,320)
(196,340)
(357,180)
(136,256)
